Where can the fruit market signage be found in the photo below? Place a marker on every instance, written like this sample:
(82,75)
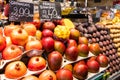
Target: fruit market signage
(49,10)
(21,11)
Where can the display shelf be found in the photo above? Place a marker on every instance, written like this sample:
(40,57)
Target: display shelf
(115,76)
(76,16)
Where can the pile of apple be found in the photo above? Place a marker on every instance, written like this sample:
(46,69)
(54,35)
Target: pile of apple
(42,37)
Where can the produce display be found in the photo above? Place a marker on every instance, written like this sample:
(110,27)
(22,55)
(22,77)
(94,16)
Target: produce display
(54,48)
(102,35)
(59,49)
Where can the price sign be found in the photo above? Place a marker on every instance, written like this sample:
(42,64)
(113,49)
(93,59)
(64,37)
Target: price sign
(49,10)
(21,11)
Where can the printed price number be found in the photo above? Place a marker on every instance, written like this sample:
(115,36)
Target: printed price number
(20,12)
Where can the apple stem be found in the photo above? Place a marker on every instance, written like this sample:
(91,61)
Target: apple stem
(20,30)
(37,59)
(12,48)
(12,23)
(50,77)
(17,66)
(32,39)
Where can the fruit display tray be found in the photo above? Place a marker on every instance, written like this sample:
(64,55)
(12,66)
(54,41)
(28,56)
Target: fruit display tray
(114,76)
(4,62)
(65,61)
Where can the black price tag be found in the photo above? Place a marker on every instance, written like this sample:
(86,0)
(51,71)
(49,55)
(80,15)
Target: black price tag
(21,11)
(49,10)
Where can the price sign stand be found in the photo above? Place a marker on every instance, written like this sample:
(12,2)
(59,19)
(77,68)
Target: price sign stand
(49,11)
(21,11)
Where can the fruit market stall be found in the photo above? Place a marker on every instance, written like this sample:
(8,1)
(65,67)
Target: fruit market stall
(44,45)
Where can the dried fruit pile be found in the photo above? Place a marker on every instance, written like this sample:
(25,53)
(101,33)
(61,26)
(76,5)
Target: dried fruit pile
(114,33)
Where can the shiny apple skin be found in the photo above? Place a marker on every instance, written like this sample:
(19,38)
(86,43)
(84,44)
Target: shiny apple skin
(64,74)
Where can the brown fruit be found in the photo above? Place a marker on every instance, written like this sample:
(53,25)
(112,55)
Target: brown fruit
(64,74)
(54,60)
(93,66)
(74,34)
(80,71)
(83,50)
(71,53)
(82,40)
(95,48)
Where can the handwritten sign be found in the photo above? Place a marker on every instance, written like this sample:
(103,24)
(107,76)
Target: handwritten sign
(49,10)
(21,11)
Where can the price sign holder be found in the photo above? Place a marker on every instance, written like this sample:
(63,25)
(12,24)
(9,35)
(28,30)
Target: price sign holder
(49,11)
(21,11)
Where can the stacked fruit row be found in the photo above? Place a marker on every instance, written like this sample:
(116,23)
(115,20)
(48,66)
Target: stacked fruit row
(100,34)
(45,46)
(115,34)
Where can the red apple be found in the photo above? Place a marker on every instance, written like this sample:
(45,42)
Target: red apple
(81,62)
(59,46)
(30,28)
(48,25)
(71,42)
(47,75)
(83,50)
(19,36)
(15,70)
(71,53)
(95,48)
(102,60)
(93,66)
(2,42)
(11,51)
(54,60)
(82,40)
(47,33)
(80,71)
(36,22)
(64,74)
(36,63)
(74,34)
(33,44)
(48,44)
